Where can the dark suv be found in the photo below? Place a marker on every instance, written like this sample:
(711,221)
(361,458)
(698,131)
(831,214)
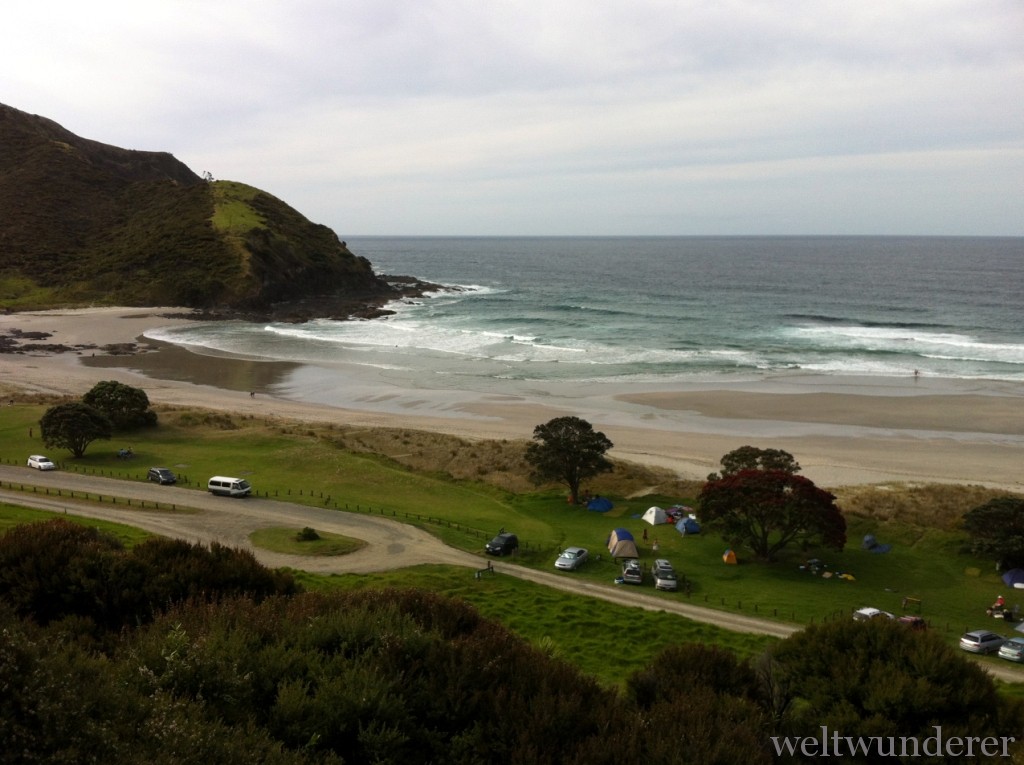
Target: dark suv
(503,544)
(161,475)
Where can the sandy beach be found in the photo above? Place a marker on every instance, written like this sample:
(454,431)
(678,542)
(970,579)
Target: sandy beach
(843,431)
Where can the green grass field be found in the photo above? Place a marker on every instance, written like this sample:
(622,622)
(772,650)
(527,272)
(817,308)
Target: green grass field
(305,464)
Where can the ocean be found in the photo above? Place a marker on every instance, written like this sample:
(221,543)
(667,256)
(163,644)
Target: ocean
(526,314)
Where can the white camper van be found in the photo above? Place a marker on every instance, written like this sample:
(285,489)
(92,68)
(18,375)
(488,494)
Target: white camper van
(229,487)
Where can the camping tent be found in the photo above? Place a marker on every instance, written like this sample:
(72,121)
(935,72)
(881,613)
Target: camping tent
(655,515)
(1014,578)
(600,504)
(622,545)
(688,526)
(871,545)
(729,557)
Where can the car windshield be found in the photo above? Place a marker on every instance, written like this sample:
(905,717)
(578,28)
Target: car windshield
(243,484)
(666,574)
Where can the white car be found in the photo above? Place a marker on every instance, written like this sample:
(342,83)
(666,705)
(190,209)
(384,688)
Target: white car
(571,558)
(867,614)
(39,462)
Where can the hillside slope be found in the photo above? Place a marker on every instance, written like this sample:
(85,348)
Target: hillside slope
(82,222)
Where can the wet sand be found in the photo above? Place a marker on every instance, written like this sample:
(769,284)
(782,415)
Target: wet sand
(842,430)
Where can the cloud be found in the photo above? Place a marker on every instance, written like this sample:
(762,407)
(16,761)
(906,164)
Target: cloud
(447,116)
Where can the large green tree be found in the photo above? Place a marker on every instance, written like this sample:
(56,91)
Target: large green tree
(126,406)
(996,529)
(74,426)
(568,450)
(766,510)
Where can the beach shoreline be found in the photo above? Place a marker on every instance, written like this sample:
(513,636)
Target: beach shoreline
(843,431)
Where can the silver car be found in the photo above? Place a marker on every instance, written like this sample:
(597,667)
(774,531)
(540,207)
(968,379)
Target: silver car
(40,462)
(571,558)
(631,572)
(664,575)
(981,641)
(1012,649)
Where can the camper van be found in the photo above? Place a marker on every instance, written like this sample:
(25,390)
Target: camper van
(228,487)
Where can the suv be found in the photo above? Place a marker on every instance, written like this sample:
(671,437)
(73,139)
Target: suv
(161,475)
(40,462)
(503,544)
(664,575)
(631,572)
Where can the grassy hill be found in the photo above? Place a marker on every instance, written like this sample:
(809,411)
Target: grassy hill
(88,223)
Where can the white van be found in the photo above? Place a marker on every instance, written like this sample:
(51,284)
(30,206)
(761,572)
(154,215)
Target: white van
(229,487)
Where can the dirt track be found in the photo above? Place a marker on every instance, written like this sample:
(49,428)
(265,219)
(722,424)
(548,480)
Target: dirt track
(204,518)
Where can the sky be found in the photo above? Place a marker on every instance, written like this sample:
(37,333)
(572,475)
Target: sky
(557,117)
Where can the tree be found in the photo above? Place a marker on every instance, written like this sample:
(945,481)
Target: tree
(997,530)
(127,407)
(568,450)
(767,510)
(74,426)
(753,458)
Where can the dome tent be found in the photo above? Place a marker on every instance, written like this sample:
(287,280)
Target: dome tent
(622,545)
(655,515)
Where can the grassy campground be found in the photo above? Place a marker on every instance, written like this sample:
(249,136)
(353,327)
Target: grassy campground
(318,465)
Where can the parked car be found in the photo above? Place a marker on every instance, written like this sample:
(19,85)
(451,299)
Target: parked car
(1012,649)
(631,572)
(867,614)
(503,544)
(981,641)
(162,476)
(39,462)
(664,575)
(571,558)
(225,486)
(913,622)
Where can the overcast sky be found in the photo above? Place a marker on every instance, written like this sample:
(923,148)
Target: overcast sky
(565,117)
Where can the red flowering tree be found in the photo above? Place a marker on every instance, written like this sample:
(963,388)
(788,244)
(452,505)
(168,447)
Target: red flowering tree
(766,510)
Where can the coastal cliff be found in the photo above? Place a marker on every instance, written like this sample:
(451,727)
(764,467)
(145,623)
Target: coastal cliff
(86,223)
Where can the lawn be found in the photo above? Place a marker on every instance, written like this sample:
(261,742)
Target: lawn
(309,464)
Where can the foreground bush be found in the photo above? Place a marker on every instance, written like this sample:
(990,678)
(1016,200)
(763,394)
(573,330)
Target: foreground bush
(58,569)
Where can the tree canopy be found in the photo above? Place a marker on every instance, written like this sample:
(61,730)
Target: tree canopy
(766,510)
(753,458)
(568,450)
(996,529)
(74,426)
(127,407)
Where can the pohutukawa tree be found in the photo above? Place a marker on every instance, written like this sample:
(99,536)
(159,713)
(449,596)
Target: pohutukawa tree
(568,450)
(768,509)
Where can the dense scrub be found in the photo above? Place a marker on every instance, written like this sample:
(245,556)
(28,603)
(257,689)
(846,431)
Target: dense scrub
(175,653)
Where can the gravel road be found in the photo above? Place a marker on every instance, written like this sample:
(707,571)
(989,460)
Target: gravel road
(202,517)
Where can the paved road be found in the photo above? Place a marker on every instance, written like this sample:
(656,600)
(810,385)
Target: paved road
(202,517)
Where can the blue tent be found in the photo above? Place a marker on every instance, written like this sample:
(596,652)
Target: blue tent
(688,526)
(621,544)
(1012,577)
(600,505)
